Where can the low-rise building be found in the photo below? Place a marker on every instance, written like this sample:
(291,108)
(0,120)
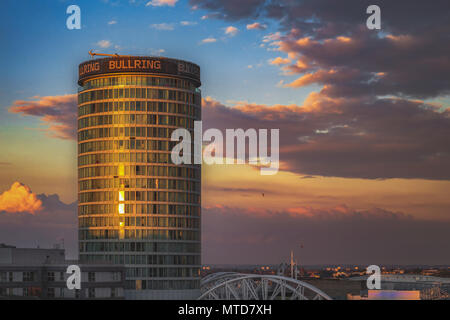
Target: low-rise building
(33,273)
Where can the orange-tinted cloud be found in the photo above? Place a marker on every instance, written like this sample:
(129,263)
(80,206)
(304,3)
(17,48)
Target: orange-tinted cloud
(58,112)
(350,65)
(348,137)
(55,222)
(280,61)
(256,26)
(411,50)
(20,198)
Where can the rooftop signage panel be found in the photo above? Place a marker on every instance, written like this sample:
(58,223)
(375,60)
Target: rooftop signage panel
(151,65)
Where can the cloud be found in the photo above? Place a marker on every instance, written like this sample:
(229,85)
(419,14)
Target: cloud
(188,23)
(344,137)
(157,52)
(19,198)
(54,222)
(160,3)
(214,15)
(112,22)
(256,26)
(272,37)
(104,43)
(330,136)
(58,112)
(338,234)
(231,9)
(209,40)
(370,119)
(355,58)
(231,31)
(329,236)
(325,35)
(327,16)
(279,61)
(163,26)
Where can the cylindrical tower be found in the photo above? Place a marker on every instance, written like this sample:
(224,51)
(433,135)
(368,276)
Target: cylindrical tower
(135,207)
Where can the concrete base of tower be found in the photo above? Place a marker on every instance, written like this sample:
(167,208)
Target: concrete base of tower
(191,294)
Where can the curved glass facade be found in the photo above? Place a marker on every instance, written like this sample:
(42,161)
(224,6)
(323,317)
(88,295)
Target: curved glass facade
(136,207)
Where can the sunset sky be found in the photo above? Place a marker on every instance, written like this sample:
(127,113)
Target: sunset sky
(363,116)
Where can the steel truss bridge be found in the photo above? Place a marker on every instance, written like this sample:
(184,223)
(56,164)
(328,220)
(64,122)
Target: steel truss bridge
(241,286)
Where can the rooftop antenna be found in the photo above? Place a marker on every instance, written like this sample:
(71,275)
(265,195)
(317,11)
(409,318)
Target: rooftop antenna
(106,54)
(292,264)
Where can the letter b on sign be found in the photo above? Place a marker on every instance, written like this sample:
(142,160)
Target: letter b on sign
(374,280)
(74,280)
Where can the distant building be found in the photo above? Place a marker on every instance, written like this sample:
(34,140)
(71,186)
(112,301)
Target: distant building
(429,287)
(29,273)
(408,281)
(430,272)
(387,295)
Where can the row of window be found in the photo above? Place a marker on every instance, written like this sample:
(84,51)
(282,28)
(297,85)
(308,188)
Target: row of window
(140,221)
(162,272)
(121,132)
(140,106)
(131,144)
(170,184)
(139,93)
(163,284)
(160,196)
(171,209)
(134,119)
(152,260)
(138,81)
(161,247)
(139,170)
(170,273)
(149,234)
(52,276)
(139,157)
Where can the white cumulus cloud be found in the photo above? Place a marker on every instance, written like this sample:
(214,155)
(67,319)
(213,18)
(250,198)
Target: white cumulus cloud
(160,3)
(162,26)
(188,23)
(209,40)
(104,43)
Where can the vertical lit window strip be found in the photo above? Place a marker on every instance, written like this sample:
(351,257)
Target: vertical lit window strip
(121,204)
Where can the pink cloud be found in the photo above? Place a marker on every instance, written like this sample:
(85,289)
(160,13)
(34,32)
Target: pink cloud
(59,113)
(348,137)
(256,26)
